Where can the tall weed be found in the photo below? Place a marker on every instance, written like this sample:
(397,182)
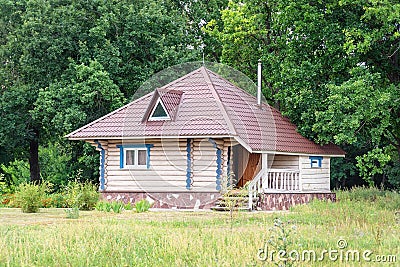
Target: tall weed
(385,199)
(81,195)
(142,205)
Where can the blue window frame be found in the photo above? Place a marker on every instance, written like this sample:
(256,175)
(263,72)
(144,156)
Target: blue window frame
(135,156)
(316,161)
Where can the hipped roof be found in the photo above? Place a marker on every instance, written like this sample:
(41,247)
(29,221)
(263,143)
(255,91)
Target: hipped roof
(202,103)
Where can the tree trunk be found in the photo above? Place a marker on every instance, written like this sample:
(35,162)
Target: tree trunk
(34,159)
(398,147)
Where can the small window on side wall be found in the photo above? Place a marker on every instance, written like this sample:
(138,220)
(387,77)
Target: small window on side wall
(135,156)
(316,161)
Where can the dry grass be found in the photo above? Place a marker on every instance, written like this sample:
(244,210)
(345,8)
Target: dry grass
(190,238)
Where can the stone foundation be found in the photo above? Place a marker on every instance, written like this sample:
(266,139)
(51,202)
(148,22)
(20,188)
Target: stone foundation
(281,201)
(198,201)
(178,200)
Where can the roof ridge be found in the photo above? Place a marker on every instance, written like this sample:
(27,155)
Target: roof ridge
(165,91)
(239,88)
(179,79)
(108,114)
(218,99)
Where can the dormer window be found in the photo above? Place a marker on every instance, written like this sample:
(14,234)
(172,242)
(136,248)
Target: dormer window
(159,112)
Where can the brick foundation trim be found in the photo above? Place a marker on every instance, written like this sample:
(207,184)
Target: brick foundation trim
(178,200)
(283,201)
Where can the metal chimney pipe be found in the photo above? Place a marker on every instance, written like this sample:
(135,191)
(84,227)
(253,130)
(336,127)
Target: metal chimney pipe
(259,83)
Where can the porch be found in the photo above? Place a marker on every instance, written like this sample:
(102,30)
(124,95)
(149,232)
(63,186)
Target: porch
(269,172)
(274,189)
(273,181)
(295,178)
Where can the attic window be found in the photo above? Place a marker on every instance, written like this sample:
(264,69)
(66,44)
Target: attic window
(159,112)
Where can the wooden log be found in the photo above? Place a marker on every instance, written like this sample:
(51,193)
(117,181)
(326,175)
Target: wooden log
(146,184)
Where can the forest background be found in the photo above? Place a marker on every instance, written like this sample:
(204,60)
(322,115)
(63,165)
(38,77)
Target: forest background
(331,66)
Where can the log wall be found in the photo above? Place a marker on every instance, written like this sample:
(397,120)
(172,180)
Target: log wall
(168,166)
(283,162)
(315,179)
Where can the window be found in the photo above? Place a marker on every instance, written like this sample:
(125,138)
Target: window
(316,162)
(159,112)
(135,156)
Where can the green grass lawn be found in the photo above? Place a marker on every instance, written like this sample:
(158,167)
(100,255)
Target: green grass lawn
(170,238)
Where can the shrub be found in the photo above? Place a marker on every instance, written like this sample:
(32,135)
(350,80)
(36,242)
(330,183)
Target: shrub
(385,199)
(14,174)
(58,200)
(29,196)
(142,205)
(54,166)
(84,196)
(7,200)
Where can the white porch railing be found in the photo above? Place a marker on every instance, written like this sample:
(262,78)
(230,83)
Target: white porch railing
(276,180)
(282,180)
(255,187)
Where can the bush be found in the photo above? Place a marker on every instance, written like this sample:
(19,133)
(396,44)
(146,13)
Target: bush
(142,205)
(7,200)
(84,196)
(29,196)
(58,200)
(14,174)
(385,199)
(54,166)
(54,200)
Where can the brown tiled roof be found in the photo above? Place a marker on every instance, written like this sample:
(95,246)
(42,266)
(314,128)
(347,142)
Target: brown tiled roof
(202,103)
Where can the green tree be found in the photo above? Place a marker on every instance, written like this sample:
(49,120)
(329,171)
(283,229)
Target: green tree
(364,111)
(83,94)
(65,63)
(135,39)
(198,14)
(331,67)
(38,37)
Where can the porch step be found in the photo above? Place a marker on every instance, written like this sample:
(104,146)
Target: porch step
(236,193)
(218,208)
(234,200)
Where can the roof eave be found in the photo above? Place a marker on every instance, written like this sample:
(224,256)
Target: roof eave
(68,136)
(147,137)
(299,153)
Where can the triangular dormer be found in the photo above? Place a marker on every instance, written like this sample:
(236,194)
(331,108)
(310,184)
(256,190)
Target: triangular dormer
(163,106)
(159,112)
